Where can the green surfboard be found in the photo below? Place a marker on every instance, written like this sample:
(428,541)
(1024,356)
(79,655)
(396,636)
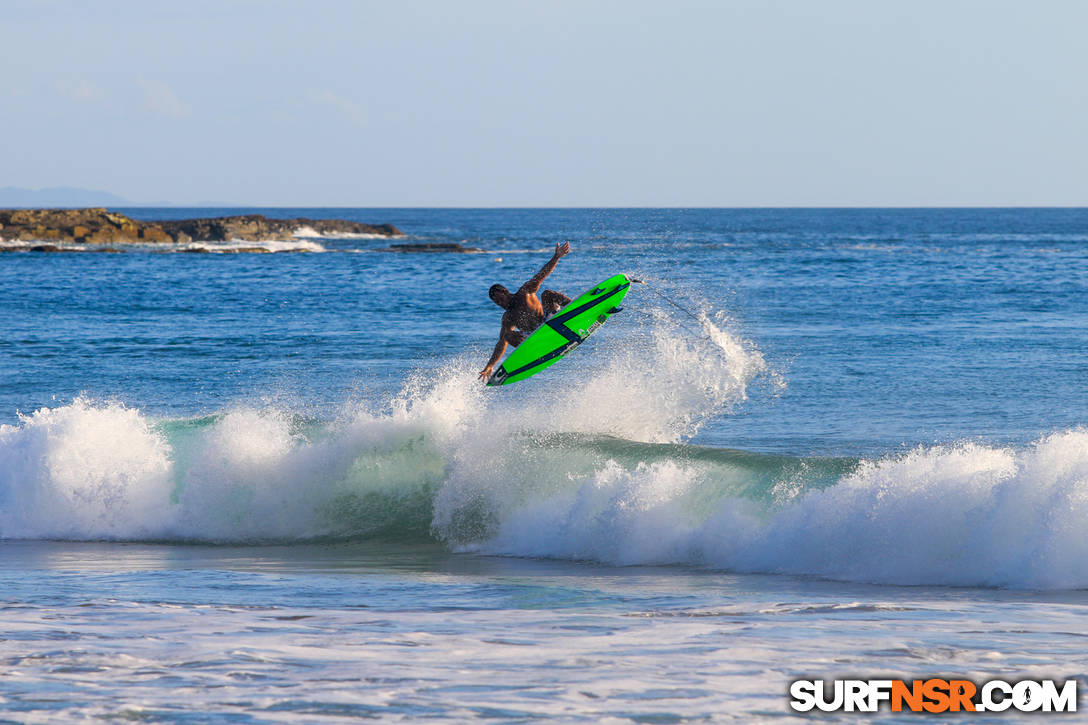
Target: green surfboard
(563,332)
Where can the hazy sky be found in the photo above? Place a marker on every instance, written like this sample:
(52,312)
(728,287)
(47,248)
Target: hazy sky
(540,103)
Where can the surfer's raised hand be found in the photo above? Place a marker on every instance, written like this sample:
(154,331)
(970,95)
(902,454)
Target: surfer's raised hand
(561,250)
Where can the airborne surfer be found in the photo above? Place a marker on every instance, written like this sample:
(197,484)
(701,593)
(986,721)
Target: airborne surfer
(525,311)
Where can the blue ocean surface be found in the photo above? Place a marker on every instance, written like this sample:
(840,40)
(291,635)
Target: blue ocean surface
(816,443)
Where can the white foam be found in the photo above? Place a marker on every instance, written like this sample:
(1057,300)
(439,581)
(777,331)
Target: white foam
(83,470)
(620,516)
(19,245)
(968,515)
(270,245)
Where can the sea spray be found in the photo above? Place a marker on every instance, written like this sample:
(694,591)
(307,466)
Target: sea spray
(661,380)
(659,383)
(658,387)
(82,471)
(238,482)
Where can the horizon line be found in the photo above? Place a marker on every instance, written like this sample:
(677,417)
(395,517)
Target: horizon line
(220,205)
(581,207)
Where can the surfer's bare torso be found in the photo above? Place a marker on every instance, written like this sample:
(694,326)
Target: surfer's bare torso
(525,309)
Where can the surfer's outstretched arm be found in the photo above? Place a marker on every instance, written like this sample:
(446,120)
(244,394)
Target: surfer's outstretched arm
(508,334)
(561,250)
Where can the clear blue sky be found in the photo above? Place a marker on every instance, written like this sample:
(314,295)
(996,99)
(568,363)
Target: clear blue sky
(761,103)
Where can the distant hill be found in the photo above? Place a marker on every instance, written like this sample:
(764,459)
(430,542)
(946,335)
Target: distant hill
(58,196)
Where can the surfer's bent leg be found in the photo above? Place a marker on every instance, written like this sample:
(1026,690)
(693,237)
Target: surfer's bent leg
(515,337)
(553,301)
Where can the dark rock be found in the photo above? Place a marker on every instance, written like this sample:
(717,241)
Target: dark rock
(259,228)
(341,226)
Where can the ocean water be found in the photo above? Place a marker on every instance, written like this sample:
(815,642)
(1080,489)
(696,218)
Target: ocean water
(815,444)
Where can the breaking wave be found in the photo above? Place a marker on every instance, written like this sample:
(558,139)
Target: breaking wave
(599,470)
(968,515)
(241,245)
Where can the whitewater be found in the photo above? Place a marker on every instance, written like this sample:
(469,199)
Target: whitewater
(268,488)
(445,464)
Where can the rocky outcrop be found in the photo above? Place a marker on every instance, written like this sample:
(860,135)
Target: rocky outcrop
(430,247)
(258,228)
(98,226)
(82,226)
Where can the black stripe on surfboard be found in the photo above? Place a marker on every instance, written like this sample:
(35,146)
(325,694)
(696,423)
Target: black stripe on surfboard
(571,314)
(557,352)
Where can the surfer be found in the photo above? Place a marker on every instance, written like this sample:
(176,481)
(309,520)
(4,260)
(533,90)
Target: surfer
(525,311)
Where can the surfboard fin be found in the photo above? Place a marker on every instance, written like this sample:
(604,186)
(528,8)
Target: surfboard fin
(614,310)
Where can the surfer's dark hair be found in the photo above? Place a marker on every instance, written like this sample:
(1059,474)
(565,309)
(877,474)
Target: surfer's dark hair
(496,288)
